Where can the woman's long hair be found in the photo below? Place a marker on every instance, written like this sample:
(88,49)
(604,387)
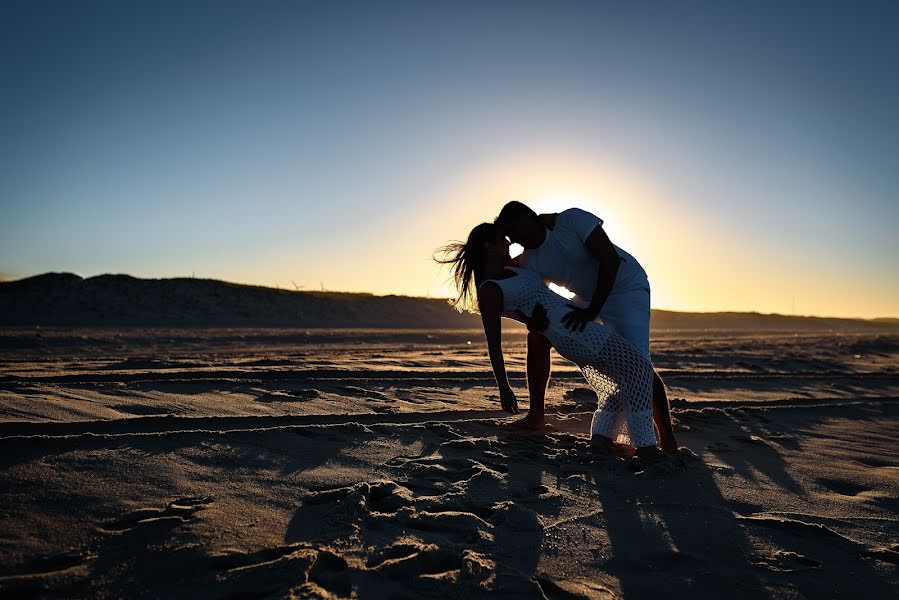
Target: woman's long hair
(467,264)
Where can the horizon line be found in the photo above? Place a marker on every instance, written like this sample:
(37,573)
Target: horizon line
(6,279)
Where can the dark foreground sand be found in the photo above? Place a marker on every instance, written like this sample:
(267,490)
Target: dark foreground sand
(279,463)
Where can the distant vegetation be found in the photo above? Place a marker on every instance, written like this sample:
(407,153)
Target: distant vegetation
(65,299)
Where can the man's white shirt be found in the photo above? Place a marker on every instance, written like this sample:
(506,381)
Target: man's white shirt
(563,258)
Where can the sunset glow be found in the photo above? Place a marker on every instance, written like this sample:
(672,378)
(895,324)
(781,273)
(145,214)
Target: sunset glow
(314,148)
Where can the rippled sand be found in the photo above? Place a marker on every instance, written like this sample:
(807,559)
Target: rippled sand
(281,463)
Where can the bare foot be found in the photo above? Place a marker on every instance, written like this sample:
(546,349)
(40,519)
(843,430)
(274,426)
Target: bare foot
(669,446)
(599,442)
(529,422)
(605,445)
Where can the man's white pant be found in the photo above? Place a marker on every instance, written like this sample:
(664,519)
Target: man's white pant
(627,314)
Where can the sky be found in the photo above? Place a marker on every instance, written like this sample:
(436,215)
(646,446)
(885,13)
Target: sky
(747,154)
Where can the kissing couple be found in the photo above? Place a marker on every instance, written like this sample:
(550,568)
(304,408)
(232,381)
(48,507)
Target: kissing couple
(604,329)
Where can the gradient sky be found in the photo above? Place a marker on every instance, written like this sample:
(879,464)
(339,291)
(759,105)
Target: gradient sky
(746,153)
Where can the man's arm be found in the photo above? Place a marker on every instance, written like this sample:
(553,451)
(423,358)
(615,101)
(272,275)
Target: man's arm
(600,247)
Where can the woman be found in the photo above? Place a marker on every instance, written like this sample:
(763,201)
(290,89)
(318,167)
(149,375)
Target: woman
(618,372)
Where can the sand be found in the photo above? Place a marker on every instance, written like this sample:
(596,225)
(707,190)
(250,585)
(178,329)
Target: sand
(331,463)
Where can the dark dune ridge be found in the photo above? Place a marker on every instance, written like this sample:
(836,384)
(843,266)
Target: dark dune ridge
(66,299)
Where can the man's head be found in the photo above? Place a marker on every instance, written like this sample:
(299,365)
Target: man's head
(521,225)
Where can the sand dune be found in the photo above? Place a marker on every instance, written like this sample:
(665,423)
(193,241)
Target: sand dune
(372,464)
(66,299)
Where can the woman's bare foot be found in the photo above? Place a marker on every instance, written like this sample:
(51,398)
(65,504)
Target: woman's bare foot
(603,444)
(600,442)
(531,422)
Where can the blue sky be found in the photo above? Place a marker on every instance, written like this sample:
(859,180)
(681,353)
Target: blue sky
(746,154)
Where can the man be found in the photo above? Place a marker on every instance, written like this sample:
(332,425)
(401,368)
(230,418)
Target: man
(571,249)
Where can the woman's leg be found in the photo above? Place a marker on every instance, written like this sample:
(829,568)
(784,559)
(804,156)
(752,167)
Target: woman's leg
(633,374)
(609,415)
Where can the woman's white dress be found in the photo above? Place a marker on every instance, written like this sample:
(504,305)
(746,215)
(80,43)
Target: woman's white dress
(619,373)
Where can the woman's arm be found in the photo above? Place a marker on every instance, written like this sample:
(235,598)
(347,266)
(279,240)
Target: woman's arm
(490,304)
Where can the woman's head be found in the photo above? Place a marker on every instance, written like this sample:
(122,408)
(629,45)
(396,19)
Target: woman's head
(485,246)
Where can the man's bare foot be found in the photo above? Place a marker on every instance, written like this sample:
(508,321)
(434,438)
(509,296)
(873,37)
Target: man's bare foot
(530,422)
(669,446)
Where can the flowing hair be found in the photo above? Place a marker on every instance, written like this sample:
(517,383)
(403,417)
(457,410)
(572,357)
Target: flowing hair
(466,262)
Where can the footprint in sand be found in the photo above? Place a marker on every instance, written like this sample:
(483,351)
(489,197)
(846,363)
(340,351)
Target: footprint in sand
(414,559)
(174,514)
(464,526)
(410,559)
(42,567)
(236,560)
(859,493)
(66,572)
(843,488)
(378,496)
(719,447)
(251,574)
(786,561)
(366,393)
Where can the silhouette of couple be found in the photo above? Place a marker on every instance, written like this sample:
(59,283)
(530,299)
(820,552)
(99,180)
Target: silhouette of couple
(604,329)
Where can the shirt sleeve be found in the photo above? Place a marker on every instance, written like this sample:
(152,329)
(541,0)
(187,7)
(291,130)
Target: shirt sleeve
(581,222)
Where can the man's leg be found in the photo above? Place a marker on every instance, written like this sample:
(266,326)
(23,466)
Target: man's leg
(539,365)
(661,414)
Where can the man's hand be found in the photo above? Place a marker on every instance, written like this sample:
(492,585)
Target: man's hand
(508,400)
(538,321)
(578,318)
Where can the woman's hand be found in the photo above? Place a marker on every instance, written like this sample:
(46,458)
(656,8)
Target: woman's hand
(537,322)
(508,400)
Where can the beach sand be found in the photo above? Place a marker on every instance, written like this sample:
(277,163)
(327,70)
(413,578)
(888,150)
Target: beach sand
(210,463)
